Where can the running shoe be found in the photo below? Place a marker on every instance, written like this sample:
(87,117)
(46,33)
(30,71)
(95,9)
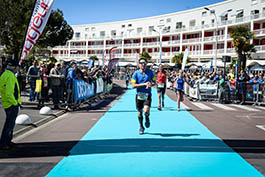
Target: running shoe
(147,122)
(163,105)
(159,108)
(141,131)
(178,109)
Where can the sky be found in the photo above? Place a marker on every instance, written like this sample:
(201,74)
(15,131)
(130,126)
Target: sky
(77,12)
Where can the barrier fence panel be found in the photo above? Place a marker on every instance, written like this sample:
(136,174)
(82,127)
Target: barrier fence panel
(62,91)
(83,90)
(99,85)
(194,92)
(208,91)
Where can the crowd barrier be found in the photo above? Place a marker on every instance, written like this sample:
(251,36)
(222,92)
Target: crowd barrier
(65,92)
(253,93)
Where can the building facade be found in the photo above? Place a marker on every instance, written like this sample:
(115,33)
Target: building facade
(204,31)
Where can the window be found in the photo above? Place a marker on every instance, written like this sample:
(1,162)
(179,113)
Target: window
(113,32)
(213,21)
(168,20)
(87,29)
(139,30)
(123,26)
(253,2)
(102,33)
(93,29)
(254,12)
(129,25)
(203,22)
(192,22)
(239,13)
(77,34)
(178,25)
(161,21)
(151,28)
(224,17)
(204,13)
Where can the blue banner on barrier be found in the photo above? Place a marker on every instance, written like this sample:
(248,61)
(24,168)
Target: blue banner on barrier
(83,90)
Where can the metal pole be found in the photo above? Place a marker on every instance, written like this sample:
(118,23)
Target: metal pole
(216,45)
(160,49)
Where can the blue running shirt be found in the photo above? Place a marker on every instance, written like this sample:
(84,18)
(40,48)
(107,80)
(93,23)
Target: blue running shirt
(140,78)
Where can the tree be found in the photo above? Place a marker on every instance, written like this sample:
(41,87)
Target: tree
(179,58)
(56,32)
(241,41)
(14,19)
(146,56)
(94,58)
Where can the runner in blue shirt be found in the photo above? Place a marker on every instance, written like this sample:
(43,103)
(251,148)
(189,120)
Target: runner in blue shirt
(179,88)
(142,80)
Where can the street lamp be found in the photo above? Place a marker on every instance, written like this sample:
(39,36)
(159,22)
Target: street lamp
(160,46)
(216,37)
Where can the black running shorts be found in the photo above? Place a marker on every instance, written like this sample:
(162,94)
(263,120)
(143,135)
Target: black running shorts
(141,103)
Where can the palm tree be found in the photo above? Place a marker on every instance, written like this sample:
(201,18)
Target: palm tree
(179,58)
(146,56)
(241,41)
(94,58)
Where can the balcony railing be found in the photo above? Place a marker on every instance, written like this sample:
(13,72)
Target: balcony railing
(212,52)
(230,50)
(150,43)
(259,31)
(96,46)
(260,48)
(132,45)
(192,40)
(78,47)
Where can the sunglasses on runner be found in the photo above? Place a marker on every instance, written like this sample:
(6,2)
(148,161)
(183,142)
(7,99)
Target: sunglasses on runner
(143,62)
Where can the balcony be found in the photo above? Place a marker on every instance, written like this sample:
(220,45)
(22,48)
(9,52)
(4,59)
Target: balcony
(196,52)
(96,46)
(150,43)
(260,48)
(212,52)
(259,31)
(132,45)
(230,50)
(195,40)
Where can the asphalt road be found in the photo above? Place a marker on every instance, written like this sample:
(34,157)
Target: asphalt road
(41,149)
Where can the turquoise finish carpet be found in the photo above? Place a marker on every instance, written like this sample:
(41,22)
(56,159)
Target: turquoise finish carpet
(176,145)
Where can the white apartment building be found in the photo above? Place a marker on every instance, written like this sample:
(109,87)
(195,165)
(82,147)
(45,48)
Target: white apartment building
(197,29)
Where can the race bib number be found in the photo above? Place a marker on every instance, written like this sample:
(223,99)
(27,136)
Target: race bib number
(160,85)
(142,96)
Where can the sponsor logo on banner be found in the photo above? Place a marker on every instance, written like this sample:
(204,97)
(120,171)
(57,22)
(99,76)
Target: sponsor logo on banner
(39,18)
(100,85)
(83,90)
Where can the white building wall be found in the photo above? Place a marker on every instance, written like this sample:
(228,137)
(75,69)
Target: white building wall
(128,29)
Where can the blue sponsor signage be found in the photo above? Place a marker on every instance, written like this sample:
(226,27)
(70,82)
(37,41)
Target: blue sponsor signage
(83,90)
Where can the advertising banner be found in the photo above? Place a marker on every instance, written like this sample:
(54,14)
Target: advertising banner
(39,18)
(83,90)
(100,85)
(208,89)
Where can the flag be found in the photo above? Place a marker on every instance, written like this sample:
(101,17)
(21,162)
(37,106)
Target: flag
(112,64)
(136,58)
(185,59)
(104,57)
(90,63)
(211,66)
(113,53)
(39,18)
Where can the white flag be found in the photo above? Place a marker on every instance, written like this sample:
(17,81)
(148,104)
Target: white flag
(38,21)
(185,59)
